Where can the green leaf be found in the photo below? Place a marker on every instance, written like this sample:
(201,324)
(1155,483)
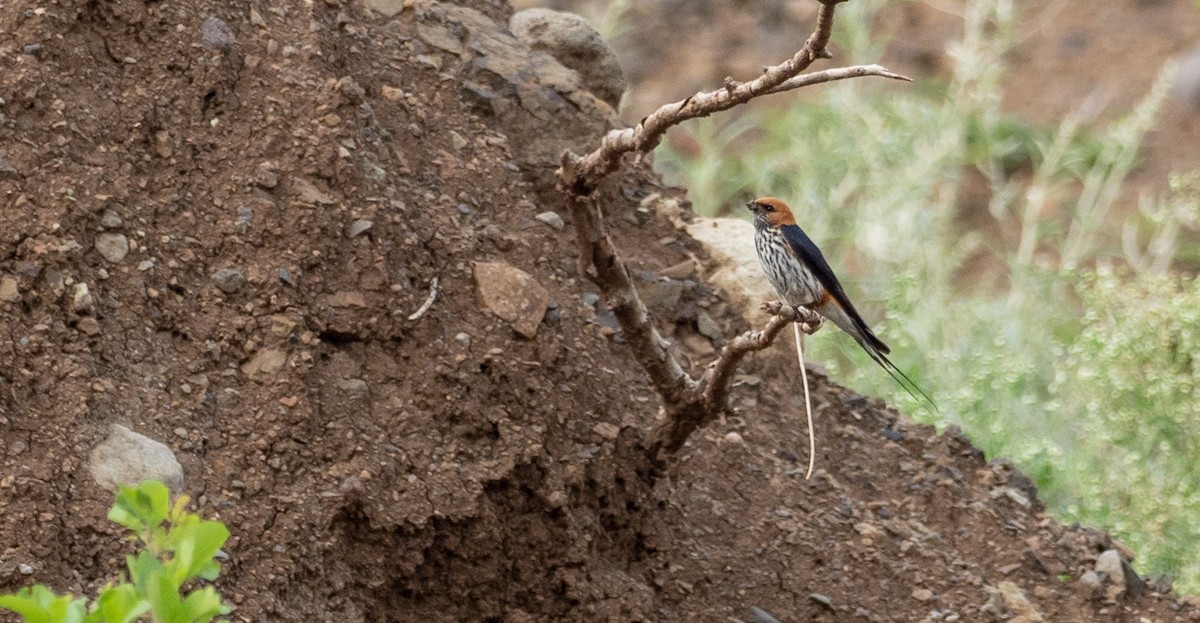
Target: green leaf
(121,604)
(38,604)
(142,507)
(163,595)
(142,568)
(203,605)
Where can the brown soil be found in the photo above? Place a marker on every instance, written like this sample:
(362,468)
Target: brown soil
(442,468)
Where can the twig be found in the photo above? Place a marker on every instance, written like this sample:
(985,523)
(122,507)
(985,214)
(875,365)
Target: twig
(433,294)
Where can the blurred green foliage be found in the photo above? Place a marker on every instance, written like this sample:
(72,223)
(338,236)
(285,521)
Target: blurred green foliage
(984,251)
(178,549)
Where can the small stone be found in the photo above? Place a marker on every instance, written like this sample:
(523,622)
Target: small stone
(463,338)
(683,270)
(112,247)
(111,220)
(552,219)
(386,8)
(33,49)
(265,362)
(180,432)
(513,295)
(24,569)
(354,387)
(89,326)
(457,140)
(81,299)
(734,438)
(922,594)
(129,458)
(1109,563)
(9,293)
(358,227)
(607,430)
(229,280)
(822,600)
(216,33)
(351,298)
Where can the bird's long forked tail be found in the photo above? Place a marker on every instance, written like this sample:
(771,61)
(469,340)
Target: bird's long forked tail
(897,374)
(878,351)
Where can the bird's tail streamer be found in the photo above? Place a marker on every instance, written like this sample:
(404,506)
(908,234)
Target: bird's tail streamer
(812,436)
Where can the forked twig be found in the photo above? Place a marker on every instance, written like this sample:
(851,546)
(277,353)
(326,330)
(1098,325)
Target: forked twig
(688,403)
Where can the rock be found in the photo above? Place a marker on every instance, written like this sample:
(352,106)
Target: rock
(386,8)
(81,299)
(356,388)
(572,41)
(1109,563)
(1187,80)
(112,247)
(216,33)
(358,227)
(922,594)
(552,219)
(607,430)
(352,298)
(734,265)
(1019,605)
(543,107)
(265,362)
(9,293)
(512,294)
(111,220)
(129,458)
(89,326)
(229,280)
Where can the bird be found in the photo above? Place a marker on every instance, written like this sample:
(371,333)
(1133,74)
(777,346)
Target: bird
(802,278)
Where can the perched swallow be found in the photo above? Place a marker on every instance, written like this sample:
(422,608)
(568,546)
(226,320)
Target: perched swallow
(795,267)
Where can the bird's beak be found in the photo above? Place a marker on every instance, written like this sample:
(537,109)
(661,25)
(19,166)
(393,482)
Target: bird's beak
(750,205)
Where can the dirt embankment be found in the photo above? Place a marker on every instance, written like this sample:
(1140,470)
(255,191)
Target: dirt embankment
(219,221)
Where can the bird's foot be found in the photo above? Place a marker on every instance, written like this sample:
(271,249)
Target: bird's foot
(810,322)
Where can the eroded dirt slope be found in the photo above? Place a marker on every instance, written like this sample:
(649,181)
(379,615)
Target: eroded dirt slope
(258,198)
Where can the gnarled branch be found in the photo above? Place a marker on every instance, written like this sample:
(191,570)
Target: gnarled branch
(687,402)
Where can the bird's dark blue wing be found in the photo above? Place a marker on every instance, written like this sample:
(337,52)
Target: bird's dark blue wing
(807,252)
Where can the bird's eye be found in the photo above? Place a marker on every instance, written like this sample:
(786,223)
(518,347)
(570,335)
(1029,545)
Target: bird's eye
(768,207)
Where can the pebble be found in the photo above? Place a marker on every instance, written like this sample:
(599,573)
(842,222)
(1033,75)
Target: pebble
(9,293)
(1109,563)
(552,219)
(513,295)
(358,227)
(112,247)
(89,326)
(229,280)
(129,458)
(607,430)
(111,220)
(922,594)
(24,569)
(216,33)
(81,299)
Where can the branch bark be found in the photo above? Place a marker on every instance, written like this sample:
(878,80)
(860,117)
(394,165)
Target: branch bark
(688,403)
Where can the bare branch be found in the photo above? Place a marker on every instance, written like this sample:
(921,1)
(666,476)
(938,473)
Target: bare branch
(714,386)
(582,175)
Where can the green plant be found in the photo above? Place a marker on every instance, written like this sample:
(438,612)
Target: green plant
(178,548)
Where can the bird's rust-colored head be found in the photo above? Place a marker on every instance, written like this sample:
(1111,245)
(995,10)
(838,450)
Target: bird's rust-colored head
(772,211)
